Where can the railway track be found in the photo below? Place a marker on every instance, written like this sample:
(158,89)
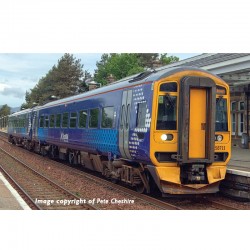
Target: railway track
(159,202)
(219,205)
(40,192)
(204,203)
(100,181)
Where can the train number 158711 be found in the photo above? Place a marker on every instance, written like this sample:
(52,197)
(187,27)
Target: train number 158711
(220,148)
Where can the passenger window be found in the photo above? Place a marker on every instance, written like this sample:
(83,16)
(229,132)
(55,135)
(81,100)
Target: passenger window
(141,115)
(41,123)
(65,121)
(52,121)
(58,120)
(107,117)
(46,121)
(82,118)
(73,117)
(93,119)
(169,87)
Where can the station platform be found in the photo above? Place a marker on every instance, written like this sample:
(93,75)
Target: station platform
(237,181)
(240,160)
(9,198)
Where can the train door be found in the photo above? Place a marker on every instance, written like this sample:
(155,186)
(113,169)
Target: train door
(197,123)
(34,124)
(124,123)
(197,120)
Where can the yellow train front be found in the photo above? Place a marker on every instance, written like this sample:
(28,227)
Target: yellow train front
(190,140)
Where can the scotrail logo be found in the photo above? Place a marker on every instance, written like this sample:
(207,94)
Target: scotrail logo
(64,137)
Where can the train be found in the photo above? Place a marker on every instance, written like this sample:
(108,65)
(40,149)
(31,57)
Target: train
(166,129)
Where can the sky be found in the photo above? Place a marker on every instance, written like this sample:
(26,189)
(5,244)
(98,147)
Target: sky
(20,72)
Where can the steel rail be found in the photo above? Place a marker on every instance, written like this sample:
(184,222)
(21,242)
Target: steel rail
(22,192)
(145,198)
(220,205)
(48,180)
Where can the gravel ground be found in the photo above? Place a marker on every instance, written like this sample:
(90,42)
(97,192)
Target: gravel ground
(102,196)
(242,205)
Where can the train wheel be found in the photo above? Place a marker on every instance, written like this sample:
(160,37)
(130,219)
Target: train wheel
(140,188)
(105,170)
(54,152)
(113,180)
(29,146)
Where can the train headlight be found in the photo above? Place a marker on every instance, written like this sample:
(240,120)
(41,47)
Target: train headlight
(167,137)
(219,138)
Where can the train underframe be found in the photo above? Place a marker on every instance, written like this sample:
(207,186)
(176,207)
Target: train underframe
(131,173)
(144,178)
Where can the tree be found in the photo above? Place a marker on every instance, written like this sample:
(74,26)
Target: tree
(4,110)
(165,59)
(83,87)
(65,79)
(118,66)
(114,66)
(147,60)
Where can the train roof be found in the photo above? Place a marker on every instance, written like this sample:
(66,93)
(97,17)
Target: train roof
(22,112)
(148,76)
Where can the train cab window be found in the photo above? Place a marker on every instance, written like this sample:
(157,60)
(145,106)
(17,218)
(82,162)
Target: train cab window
(107,117)
(167,113)
(41,121)
(65,120)
(94,117)
(52,121)
(141,115)
(169,87)
(72,122)
(82,123)
(46,121)
(221,123)
(58,120)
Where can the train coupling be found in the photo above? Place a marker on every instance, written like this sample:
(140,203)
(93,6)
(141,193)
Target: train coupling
(196,173)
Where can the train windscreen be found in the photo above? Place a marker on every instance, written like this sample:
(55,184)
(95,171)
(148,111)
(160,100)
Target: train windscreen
(221,115)
(167,110)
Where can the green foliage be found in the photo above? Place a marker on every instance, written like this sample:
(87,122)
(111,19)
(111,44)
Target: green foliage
(4,110)
(65,79)
(168,59)
(115,66)
(147,59)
